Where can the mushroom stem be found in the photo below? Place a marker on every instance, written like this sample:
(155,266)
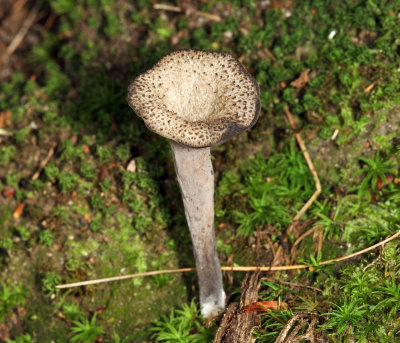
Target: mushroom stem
(196,179)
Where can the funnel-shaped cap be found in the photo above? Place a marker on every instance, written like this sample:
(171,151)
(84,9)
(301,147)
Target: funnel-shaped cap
(196,98)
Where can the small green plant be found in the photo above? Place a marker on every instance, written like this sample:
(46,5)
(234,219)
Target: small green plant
(46,237)
(391,293)
(350,316)
(272,324)
(50,281)
(67,181)
(330,220)
(11,298)
(23,232)
(71,152)
(86,331)
(26,338)
(7,153)
(264,211)
(51,171)
(273,187)
(72,311)
(374,170)
(105,153)
(182,326)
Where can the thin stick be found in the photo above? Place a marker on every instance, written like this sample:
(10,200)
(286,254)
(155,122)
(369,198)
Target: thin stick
(372,247)
(313,172)
(170,8)
(44,162)
(124,277)
(310,166)
(233,269)
(210,16)
(22,31)
(18,5)
(164,7)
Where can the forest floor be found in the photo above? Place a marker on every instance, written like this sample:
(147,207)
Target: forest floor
(87,191)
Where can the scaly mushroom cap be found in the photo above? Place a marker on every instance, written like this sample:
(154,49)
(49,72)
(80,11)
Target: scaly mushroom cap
(196,98)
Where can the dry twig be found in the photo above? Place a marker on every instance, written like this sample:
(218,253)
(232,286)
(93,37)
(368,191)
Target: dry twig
(310,166)
(17,40)
(44,162)
(18,5)
(170,8)
(233,269)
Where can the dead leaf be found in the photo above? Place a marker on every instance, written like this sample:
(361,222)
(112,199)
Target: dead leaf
(370,87)
(5,118)
(302,80)
(9,192)
(18,211)
(263,306)
(102,172)
(101,309)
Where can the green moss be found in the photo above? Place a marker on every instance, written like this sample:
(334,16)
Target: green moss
(7,153)
(79,227)
(52,172)
(67,181)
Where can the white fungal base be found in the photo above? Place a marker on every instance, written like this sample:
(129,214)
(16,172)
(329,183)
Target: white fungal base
(212,308)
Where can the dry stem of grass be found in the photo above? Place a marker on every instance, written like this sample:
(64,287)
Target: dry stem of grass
(233,269)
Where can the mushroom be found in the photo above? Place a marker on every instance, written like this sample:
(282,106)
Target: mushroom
(198,99)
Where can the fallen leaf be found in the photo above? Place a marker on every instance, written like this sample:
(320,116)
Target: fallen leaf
(370,87)
(302,80)
(263,306)
(18,211)
(102,172)
(9,192)
(5,118)
(101,309)
(379,183)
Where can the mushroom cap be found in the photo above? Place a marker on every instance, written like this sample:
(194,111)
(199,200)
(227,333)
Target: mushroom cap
(196,98)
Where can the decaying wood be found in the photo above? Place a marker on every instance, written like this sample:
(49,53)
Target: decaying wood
(290,333)
(237,326)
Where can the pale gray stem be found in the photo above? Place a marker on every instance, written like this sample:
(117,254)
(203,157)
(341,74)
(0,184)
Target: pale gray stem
(196,178)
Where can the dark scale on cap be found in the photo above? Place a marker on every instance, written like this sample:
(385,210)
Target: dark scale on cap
(196,98)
